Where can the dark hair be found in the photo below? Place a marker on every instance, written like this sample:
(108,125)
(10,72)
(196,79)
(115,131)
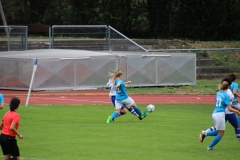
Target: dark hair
(232,76)
(227,79)
(14,104)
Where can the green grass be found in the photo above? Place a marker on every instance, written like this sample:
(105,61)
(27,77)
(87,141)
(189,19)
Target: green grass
(60,132)
(201,87)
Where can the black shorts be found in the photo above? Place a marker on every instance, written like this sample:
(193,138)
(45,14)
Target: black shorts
(9,145)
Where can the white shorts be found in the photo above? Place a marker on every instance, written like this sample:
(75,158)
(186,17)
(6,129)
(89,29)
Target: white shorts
(219,120)
(129,102)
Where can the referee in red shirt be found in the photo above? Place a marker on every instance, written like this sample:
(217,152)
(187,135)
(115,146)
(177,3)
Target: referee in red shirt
(9,127)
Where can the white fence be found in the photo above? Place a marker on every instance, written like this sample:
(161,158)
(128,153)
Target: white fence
(72,69)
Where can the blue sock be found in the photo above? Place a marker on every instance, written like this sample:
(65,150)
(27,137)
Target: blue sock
(215,141)
(132,111)
(238,121)
(122,113)
(114,115)
(237,132)
(136,109)
(212,133)
(213,128)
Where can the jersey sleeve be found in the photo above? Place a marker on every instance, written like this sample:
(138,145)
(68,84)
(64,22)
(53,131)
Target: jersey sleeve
(227,100)
(16,118)
(110,84)
(235,86)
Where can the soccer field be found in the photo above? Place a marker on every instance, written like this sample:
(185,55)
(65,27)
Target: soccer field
(80,132)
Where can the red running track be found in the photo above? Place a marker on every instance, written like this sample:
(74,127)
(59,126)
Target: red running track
(102,98)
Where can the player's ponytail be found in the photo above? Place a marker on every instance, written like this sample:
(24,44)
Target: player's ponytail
(223,86)
(115,75)
(118,73)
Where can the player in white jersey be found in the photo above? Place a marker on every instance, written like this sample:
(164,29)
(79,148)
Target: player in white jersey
(229,116)
(218,115)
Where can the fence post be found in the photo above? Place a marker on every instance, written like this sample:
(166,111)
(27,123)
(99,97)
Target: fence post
(8,35)
(198,62)
(109,36)
(26,38)
(50,38)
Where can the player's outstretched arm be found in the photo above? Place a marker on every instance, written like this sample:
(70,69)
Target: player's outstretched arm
(128,82)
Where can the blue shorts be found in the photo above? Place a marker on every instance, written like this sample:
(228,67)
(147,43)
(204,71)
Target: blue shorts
(232,119)
(113,102)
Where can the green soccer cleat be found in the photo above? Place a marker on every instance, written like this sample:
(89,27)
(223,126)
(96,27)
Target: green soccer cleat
(144,114)
(109,119)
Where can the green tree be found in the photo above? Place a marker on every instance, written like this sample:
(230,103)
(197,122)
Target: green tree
(128,16)
(37,10)
(160,17)
(16,12)
(206,20)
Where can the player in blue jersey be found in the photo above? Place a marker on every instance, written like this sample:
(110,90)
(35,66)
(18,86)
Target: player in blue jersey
(112,95)
(1,101)
(122,98)
(229,116)
(234,89)
(222,102)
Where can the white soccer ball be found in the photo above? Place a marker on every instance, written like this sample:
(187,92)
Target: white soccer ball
(150,108)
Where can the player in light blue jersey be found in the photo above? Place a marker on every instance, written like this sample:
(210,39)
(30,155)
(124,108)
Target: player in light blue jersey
(122,98)
(112,96)
(229,116)
(222,102)
(234,89)
(1,101)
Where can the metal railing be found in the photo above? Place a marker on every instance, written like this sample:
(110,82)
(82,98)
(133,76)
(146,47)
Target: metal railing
(217,64)
(119,42)
(197,50)
(13,38)
(90,37)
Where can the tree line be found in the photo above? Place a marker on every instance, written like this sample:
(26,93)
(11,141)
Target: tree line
(187,19)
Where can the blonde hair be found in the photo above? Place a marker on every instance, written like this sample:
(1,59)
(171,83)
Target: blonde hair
(115,75)
(223,86)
